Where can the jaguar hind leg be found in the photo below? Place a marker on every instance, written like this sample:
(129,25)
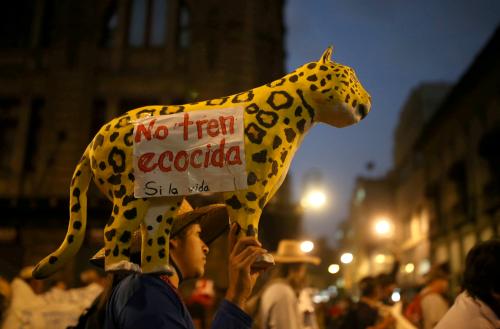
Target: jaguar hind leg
(126,217)
(156,234)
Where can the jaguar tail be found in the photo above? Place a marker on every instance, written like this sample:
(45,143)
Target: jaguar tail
(77,222)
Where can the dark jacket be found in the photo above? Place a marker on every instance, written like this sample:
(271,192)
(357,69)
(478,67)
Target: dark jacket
(147,301)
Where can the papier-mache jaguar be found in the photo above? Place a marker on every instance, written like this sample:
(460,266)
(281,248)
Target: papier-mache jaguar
(276,118)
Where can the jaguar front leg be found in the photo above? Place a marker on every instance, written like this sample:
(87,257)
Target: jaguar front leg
(245,209)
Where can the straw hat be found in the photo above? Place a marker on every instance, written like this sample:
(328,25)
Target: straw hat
(26,272)
(289,252)
(213,219)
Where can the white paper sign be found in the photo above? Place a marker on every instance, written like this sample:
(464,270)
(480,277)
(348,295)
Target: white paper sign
(189,153)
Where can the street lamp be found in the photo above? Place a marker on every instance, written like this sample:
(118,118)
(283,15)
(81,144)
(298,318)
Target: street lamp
(380,258)
(346,258)
(307,246)
(315,199)
(409,268)
(383,226)
(333,268)
(314,192)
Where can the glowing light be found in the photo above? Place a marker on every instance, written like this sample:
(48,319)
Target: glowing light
(424,267)
(396,296)
(306,246)
(314,199)
(317,299)
(383,226)
(409,268)
(379,259)
(346,258)
(333,268)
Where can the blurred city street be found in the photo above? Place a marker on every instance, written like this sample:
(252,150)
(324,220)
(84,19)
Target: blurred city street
(384,212)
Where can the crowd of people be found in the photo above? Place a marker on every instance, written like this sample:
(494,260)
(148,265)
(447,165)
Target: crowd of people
(30,303)
(283,300)
(432,306)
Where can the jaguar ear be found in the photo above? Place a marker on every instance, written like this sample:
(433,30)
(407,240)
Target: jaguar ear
(327,54)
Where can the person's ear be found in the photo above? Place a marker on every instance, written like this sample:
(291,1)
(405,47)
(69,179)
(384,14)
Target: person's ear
(174,243)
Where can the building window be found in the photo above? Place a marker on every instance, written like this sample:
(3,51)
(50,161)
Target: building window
(184,26)
(158,26)
(360,196)
(110,26)
(147,24)
(137,25)
(9,120)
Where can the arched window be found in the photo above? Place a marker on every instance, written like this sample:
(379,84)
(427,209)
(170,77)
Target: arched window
(158,24)
(147,23)
(109,26)
(184,26)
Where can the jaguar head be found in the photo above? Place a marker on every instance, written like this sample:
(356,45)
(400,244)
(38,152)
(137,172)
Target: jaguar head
(339,98)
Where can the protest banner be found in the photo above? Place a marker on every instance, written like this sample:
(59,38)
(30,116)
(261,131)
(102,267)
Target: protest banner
(189,153)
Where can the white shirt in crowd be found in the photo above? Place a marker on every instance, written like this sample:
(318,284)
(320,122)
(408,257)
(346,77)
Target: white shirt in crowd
(467,313)
(279,307)
(55,309)
(434,307)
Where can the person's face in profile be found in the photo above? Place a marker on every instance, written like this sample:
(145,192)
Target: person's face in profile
(190,252)
(298,276)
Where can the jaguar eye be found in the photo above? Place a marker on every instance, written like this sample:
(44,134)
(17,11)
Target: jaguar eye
(362,110)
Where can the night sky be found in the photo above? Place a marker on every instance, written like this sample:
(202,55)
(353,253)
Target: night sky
(393,45)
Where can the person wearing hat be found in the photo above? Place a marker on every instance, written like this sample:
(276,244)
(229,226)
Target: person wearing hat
(279,304)
(135,300)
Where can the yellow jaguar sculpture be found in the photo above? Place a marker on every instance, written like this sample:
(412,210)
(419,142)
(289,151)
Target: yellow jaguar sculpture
(276,118)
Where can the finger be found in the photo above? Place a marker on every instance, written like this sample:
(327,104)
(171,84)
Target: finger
(247,263)
(250,259)
(233,233)
(245,242)
(257,271)
(247,252)
(254,276)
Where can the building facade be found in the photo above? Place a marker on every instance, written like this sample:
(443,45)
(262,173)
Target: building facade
(410,214)
(371,202)
(460,163)
(67,67)
(78,64)
(444,187)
